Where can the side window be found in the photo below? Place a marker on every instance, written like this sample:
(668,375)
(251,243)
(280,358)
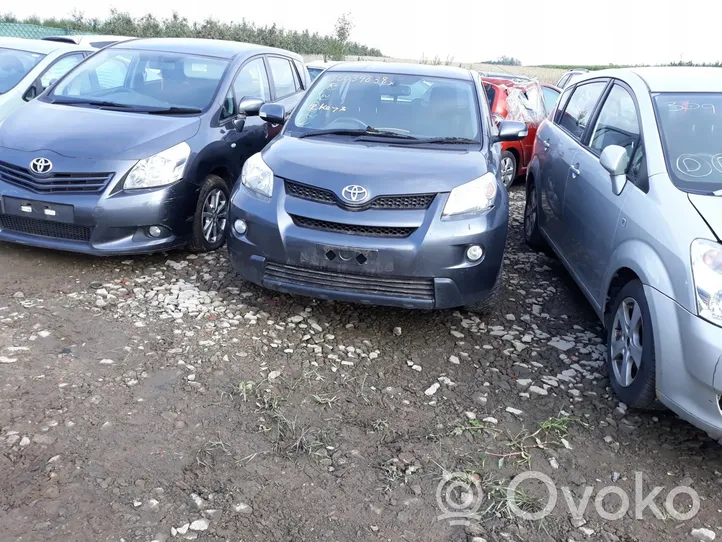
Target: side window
(252,81)
(617,123)
(283,81)
(229,106)
(563,99)
(638,166)
(60,68)
(563,81)
(580,107)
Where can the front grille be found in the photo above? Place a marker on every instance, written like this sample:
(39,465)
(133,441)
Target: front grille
(55,182)
(412,288)
(351,229)
(45,228)
(321,195)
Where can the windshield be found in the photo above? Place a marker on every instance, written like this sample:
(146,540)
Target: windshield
(14,65)
(691,128)
(142,80)
(420,107)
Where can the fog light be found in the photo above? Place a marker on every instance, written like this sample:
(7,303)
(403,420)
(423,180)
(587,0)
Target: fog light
(155,231)
(474,253)
(240,226)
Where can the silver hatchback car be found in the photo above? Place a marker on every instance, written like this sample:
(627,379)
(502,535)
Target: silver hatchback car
(625,186)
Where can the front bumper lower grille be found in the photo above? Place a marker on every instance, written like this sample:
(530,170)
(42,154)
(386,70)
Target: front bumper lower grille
(45,228)
(351,229)
(310,277)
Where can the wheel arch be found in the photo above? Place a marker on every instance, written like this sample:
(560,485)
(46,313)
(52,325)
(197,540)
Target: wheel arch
(626,265)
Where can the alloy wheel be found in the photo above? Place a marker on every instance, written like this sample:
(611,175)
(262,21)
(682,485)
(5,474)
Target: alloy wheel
(627,344)
(215,216)
(507,171)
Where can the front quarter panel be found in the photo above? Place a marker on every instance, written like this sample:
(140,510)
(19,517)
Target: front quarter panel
(654,246)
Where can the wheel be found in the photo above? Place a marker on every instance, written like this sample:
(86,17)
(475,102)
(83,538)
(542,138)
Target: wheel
(210,222)
(532,235)
(485,305)
(508,168)
(630,348)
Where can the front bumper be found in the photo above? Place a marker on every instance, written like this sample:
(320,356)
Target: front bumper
(688,353)
(107,222)
(426,270)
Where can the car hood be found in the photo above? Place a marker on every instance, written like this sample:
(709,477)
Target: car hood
(95,134)
(380,168)
(710,207)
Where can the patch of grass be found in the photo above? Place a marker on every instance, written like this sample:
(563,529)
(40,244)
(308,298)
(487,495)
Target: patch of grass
(324,400)
(380,426)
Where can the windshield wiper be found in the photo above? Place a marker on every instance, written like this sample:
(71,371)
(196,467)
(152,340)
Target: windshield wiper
(458,140)
(173,111)
(96,103)
(361,132)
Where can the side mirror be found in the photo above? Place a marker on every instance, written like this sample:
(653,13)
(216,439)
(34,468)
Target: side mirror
(250,106)
(614,160)
(510,130)
(273,113)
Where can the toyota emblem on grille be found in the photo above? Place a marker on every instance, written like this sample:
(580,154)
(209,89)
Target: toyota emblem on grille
(355,193)
(41,166)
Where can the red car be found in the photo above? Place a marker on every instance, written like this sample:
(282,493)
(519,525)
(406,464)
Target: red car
(521,99)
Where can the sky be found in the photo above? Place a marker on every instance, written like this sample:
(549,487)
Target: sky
(534,31)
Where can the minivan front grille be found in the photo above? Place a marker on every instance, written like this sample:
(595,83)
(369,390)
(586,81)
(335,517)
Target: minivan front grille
(351,229)
(45,228)
(55,182)
(410,288)
(322,195)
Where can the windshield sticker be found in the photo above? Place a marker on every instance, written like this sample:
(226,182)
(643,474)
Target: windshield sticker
(689,106)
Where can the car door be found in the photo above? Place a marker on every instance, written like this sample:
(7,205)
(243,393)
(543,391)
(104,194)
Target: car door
(251,81)
(287,85)
(52,73)
(564,144)
(592,210)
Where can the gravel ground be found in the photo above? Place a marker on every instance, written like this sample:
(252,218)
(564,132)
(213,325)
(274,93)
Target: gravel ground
(160,398)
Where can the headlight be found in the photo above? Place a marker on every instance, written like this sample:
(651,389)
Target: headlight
(257,176)
(707,274)
(161,169)
(473,197)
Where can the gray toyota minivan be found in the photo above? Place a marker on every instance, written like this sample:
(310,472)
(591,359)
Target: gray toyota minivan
(137,148)
(626,187)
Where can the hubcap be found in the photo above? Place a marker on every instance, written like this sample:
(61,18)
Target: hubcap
(215,216)
(507,171)
(530,214)
(627,345)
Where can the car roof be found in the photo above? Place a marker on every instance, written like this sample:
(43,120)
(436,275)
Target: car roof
(668,78)
(508,76)
(36,46)
(402,68)
(521,83)
(198,46)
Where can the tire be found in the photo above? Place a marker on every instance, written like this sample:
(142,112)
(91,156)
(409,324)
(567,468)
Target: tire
(532,235)
(631,361)
(508,168)
(210,224)
(486,305)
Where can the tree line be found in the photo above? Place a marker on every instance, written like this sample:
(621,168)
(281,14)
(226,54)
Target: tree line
(148,26)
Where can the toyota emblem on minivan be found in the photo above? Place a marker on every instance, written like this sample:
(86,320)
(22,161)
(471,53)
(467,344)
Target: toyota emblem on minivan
(41,166)
(355,193)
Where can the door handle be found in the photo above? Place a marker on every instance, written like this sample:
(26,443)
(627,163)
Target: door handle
(575,170)
(546,144)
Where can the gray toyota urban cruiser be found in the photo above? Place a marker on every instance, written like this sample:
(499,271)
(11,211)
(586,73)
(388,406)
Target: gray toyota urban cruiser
(383,188)
(136,149)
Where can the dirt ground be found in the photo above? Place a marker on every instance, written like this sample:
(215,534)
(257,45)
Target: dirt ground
(160,398)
